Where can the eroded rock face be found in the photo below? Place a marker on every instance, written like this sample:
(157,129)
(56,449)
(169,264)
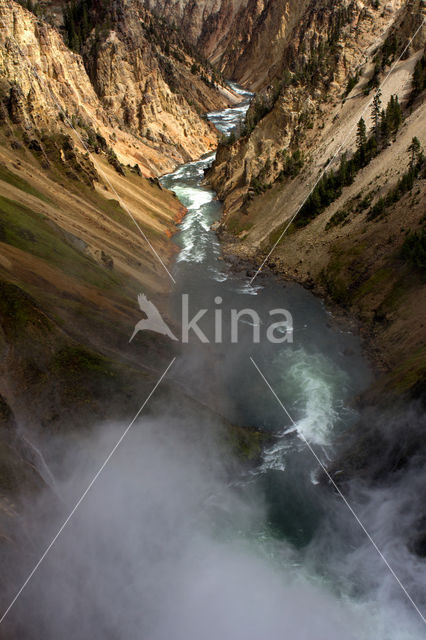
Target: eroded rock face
(143,72)
(244,38)
(252,52)
(151,93)
(197,19)
(39,74)
(132,77)
(324,47)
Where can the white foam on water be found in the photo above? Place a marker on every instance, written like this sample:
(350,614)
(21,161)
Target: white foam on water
(193,197)
(189,255)
(217,275)
(187,170)
(249,289)
(315,386)
(193,250)
(194,218)
(317,379)
(220,277)
(274,458)
(239,90)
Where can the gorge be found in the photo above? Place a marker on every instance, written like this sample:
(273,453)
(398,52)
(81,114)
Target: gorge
(213,518)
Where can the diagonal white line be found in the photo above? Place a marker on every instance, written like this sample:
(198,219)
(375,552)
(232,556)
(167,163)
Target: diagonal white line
(105,176)
(362,113)
(336,487)
(86,491)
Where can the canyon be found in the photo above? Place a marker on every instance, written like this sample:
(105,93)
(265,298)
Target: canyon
(110,116)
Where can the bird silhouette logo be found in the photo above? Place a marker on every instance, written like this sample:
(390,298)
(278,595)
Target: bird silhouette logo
(153,322)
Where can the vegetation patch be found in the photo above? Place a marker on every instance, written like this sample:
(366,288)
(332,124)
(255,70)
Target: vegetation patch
(351,84)
(72,360)
(57,151)
(276,234)
(237,225)
(293,164)
(411,374)
(81,17)
(321,64)
(354,205)
(258,183)
(419,79)
(344,274)
(331,184)
(83,375)
(15,305)
(374,283)
(29,231)
(16,181)
(115,162)
(339,218)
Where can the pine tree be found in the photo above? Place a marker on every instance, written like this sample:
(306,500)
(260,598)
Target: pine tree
(75,43)
(345,173)
(397,114)
(361,133)
(394,114)
(384,127)
(419,77)
(85,22)
(414,150)
(361,137)
(376,111)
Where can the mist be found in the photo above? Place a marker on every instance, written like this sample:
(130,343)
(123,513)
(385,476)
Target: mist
(166,546)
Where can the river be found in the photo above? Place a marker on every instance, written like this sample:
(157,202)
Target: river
(180,539)
(315,377)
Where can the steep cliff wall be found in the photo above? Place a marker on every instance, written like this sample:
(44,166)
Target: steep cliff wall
(245,39)
(349,241)
(234,34)
(145,77)
(189,15)
(328,46)
(140,82)
(198,18)
(252,51)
